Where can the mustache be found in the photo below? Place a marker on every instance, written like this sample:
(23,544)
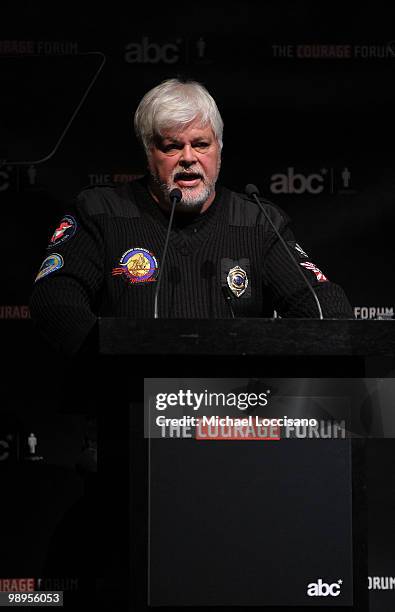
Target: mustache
(184,174)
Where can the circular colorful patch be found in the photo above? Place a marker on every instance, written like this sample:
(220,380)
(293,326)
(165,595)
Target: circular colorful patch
(138,265)
(65,230)
(50,264)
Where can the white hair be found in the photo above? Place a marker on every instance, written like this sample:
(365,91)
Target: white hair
(173,105)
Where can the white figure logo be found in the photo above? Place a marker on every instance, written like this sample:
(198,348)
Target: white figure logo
(32,442)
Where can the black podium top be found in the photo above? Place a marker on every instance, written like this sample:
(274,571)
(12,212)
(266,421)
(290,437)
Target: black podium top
(253,337)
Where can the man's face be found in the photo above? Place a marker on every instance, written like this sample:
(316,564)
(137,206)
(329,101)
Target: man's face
(189,160)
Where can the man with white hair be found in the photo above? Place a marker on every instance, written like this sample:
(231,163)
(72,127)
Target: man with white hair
(181,129)
(224,258)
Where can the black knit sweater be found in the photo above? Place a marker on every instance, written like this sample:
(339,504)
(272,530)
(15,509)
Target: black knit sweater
(106,263)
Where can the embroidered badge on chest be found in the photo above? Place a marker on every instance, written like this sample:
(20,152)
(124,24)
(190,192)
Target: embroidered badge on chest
(237,281)
(137,265)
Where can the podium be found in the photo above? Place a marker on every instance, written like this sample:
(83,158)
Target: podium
(247,337)
(134,350)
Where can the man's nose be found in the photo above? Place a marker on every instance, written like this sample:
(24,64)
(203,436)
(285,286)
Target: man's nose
(188,156)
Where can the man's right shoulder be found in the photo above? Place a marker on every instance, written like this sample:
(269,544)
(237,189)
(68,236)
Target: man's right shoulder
(109,199)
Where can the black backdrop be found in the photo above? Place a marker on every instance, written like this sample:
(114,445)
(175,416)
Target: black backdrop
(307,93)
(307,97)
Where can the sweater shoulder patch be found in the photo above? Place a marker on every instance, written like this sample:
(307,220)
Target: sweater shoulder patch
(113,201)
(245,213)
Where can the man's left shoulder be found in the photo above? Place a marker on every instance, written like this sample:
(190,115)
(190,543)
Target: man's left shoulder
(244,212)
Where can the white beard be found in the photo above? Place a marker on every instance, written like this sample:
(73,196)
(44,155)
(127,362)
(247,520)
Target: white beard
(193,198)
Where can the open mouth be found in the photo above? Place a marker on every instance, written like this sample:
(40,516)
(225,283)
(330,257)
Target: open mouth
(188,179)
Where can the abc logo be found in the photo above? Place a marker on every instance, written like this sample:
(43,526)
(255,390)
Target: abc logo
(148,52)
(323,589)
(296,183)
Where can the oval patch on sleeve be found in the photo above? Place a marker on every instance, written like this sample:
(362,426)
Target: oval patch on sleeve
(310,266)
(50,264)
(65,230)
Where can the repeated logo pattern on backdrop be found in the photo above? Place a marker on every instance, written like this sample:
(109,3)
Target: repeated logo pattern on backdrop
(310,123)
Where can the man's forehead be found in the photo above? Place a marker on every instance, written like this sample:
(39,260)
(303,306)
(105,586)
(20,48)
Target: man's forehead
(191,132)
